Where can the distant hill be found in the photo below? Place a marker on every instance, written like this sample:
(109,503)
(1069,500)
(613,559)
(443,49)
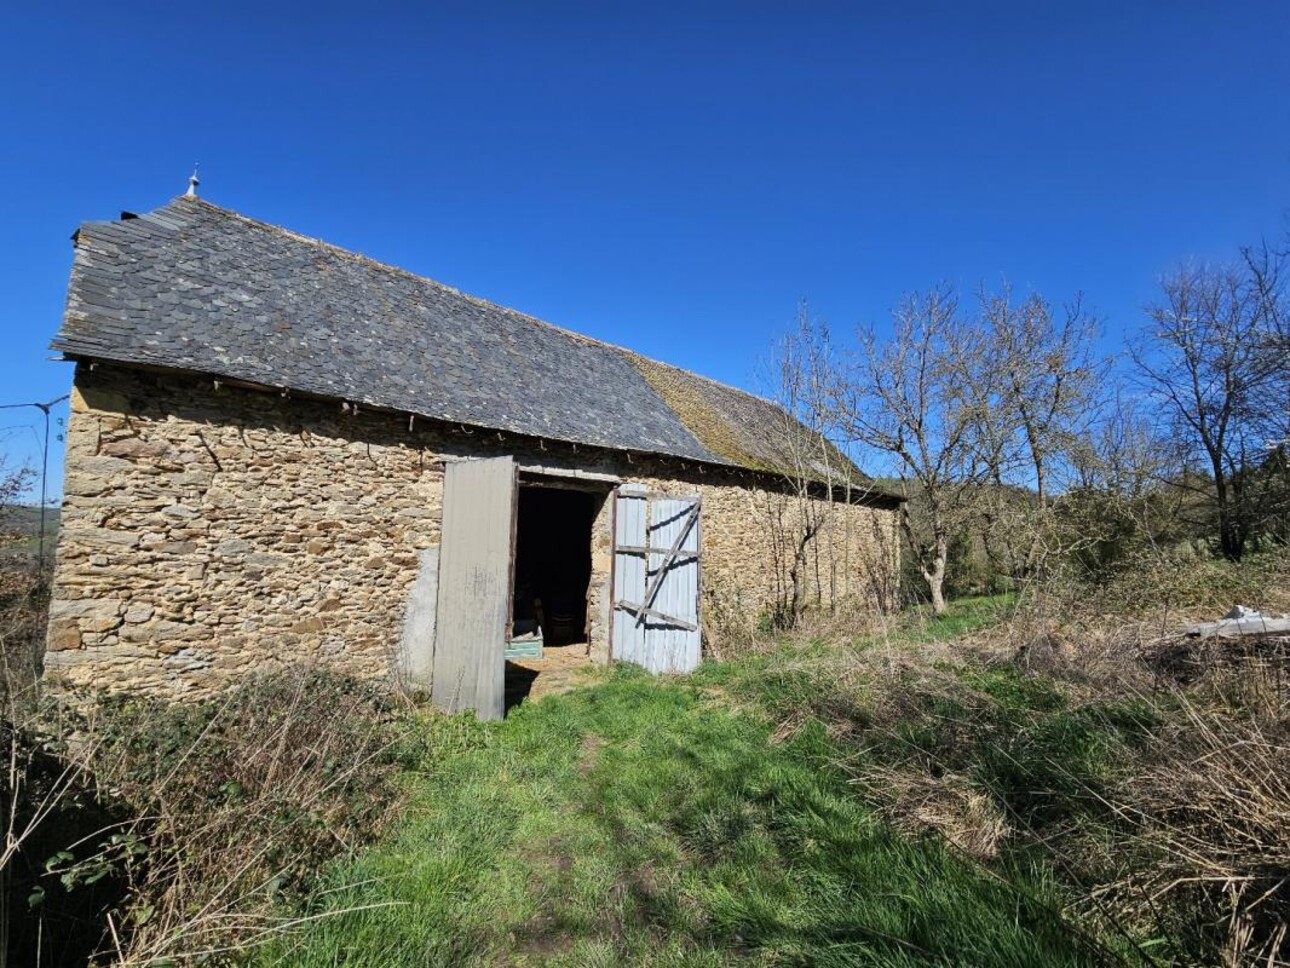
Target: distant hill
(20,529)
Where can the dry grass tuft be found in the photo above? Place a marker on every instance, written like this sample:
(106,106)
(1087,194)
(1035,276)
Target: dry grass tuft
(1199,812)
(1212,801)
(24,604)
(949,806)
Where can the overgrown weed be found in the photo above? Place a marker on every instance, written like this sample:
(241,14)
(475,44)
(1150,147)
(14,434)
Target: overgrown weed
(1148,772)
(182,831)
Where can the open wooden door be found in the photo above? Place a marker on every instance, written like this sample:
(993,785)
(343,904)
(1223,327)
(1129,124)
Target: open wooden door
(474,597)
(656,580)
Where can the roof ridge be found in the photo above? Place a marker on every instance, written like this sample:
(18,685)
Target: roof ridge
(479,300)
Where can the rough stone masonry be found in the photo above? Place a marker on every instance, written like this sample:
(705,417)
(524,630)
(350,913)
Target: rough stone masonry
(209,530)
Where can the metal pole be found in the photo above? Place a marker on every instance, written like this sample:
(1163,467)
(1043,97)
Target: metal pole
(44,466)
(44,478)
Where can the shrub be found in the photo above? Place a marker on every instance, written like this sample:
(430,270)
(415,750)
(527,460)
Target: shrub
(171,830)
(1168,588)
(24,607)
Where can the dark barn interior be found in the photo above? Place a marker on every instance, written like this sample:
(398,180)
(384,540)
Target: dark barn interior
(553,563)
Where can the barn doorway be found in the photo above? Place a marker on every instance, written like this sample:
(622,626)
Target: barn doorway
(552,565)
(552,576)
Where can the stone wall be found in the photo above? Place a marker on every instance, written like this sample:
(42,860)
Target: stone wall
(210,530)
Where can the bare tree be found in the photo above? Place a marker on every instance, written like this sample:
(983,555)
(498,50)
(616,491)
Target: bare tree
(1048,380)
(797,372)
(1211,360)
(919,398)
(1116,505)
(1045,357)
(1270,480)
(1266,268)
(813,514)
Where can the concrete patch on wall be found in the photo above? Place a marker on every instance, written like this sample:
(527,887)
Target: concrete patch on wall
(416,646)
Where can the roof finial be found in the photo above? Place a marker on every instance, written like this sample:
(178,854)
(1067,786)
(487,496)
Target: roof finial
(193,182)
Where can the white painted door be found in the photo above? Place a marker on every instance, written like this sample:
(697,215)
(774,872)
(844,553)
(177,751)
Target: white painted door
(656,580)
(474,606)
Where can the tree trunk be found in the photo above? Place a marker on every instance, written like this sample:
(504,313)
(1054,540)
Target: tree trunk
(936,575)
(1231,535)
(797,573)
(4,916)
(938,595)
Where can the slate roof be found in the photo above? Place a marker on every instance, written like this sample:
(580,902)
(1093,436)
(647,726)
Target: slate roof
(196,287)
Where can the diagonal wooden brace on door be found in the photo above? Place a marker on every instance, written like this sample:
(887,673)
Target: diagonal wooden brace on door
(669,559)
(641,612)
(655,618)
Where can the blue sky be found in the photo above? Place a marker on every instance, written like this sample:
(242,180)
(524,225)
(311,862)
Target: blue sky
(671,177)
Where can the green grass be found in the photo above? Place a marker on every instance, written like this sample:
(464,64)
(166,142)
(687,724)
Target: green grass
(20,530)
(662,822)
(964,616)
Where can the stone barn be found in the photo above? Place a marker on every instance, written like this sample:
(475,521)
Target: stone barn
(282,452)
